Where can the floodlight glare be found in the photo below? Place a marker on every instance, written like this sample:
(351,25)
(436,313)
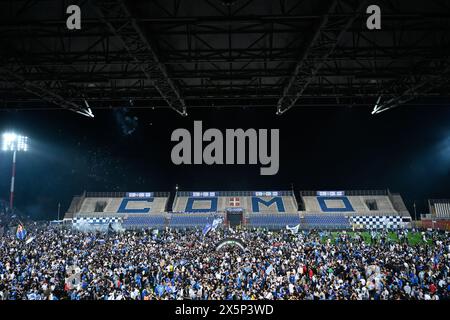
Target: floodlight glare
(14,142)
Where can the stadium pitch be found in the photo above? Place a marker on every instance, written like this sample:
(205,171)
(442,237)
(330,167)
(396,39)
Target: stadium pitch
(414,238)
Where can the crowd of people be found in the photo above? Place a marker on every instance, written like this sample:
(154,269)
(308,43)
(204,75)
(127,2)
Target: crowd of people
(59,263)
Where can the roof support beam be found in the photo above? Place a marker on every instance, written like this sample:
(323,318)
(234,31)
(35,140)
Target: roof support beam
(322,44)
(420,88)
(117,16)
(44,93)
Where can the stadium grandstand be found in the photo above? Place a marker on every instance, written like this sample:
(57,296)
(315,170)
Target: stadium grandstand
(271,209)
(366,209)
(439,216)
(360,209)
(131,209)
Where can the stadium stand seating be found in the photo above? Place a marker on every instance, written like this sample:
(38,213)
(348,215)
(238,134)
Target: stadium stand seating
(352,205)
(398,204)
(325,222)
(276,202)
(367,209)
(439,208)
(439,215)
(272,221)
(180,204)
(103,204)
(74,207)
(143,222)
(190,220)
(276,209)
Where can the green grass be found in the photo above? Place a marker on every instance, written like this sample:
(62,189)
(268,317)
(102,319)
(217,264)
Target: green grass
(414,238)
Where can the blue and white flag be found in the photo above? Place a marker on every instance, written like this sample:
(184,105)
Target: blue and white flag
(216,223)
(21,232)
(294,230)
(183,262)
(206,229)
(269,269)
(211,227)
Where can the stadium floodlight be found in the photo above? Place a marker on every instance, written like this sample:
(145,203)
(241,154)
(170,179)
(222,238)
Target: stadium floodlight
(15,143)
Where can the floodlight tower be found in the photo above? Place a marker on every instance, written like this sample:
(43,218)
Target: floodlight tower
(15,143)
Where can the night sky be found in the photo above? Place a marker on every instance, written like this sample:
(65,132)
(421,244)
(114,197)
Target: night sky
(406,150)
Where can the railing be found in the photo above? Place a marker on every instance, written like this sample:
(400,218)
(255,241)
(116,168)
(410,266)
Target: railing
(233,193)
(212,215)
(311,193)
(432,217)
(442,211)
(433,201)
(119,194)
(98,214)
(331,226)
(193,213)
(351,213)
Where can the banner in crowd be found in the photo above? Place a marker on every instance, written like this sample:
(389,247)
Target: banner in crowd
(211,227)
(294,230)
(231,242)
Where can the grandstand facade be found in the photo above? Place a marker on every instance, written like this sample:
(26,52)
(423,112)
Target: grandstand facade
(367,209)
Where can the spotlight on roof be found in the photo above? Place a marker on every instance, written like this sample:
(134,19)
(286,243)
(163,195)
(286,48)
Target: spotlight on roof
(86,112)
(376,108)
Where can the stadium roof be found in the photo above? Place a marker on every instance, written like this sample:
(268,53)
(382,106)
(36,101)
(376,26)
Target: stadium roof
(223,53)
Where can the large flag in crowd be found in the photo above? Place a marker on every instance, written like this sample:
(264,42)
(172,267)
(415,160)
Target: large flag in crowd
(206,229)
(21,232)
(211,227)
(216,223)
(294,230)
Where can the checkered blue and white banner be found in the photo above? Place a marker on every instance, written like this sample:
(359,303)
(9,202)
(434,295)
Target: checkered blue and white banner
(377,222)
(96,220)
